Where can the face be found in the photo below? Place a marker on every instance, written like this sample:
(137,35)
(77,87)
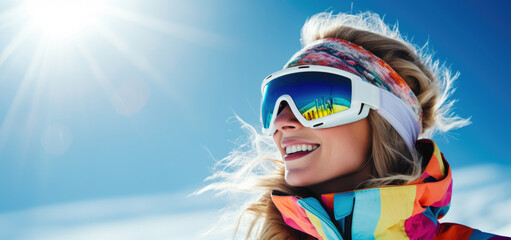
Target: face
(337,152)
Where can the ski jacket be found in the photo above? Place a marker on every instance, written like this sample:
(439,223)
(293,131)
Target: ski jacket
(408,211)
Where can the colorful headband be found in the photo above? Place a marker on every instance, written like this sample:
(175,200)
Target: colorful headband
(405,116)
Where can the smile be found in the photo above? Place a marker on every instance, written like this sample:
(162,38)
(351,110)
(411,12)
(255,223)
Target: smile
(300,147)
(297,151)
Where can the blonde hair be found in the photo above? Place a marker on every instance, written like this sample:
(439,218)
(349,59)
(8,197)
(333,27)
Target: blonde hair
(255,169)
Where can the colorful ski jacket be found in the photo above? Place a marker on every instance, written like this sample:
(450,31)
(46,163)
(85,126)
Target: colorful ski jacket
(408,211)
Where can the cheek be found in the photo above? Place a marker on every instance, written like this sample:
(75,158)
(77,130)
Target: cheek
(346,148)
(343,155)
(336,141)
(350,139)
(354,145)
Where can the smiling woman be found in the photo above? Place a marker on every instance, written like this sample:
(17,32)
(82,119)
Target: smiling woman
(366,170)
(60,19)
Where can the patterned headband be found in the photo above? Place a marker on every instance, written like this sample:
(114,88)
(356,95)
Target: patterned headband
(350,57)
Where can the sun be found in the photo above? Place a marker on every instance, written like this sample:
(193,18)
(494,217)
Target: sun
(63,19)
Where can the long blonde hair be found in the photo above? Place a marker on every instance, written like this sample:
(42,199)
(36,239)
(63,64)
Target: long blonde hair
(255,168)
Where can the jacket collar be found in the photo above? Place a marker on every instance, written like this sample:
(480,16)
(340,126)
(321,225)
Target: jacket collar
(388,212)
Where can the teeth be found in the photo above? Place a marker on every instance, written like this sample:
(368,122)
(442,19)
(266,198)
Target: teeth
(298,148)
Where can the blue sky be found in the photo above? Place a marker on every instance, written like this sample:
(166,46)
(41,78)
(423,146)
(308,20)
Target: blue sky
(140,102)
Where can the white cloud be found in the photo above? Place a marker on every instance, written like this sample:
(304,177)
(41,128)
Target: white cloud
(165,216)
(168,226)
(481,200)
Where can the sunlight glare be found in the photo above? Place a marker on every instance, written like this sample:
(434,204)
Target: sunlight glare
(62,19)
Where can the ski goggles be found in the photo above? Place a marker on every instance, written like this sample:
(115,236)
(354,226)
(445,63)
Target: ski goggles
(319,96)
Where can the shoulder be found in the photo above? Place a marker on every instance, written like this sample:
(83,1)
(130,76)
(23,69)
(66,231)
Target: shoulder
(458,231)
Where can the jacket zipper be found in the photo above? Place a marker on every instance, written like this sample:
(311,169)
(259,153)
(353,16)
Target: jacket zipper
(327,221)
(348,222)
(347,225)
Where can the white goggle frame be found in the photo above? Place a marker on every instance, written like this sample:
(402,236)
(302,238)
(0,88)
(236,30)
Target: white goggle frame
(364,96)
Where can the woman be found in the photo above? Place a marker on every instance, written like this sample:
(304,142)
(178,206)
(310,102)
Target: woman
(349,115)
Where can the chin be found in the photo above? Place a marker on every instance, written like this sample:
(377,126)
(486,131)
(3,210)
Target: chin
(296,180)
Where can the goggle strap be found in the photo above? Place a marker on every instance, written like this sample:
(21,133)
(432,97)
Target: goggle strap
(400,116)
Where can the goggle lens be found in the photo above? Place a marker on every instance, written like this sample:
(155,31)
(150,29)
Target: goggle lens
(315,94)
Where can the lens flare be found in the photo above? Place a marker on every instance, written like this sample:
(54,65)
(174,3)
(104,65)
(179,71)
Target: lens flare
(62,19)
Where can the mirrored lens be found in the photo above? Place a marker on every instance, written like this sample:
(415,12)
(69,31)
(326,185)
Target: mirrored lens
(316,94)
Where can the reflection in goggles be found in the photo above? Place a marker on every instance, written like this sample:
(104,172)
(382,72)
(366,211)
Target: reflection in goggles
(321,107)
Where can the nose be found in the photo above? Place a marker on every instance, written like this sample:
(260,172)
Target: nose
(286,120)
